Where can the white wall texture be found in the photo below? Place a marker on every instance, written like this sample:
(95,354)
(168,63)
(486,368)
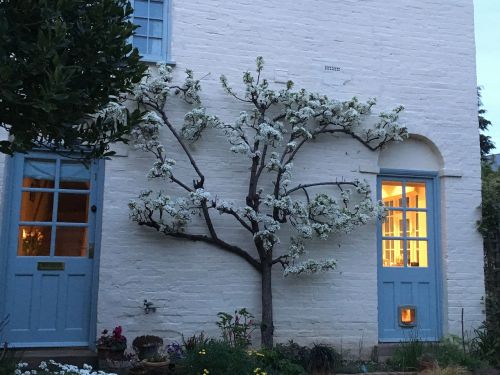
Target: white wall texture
(419,54)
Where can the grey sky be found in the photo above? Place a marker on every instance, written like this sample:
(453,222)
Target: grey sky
(487,22)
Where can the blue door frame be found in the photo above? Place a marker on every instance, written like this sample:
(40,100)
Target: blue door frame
(57,283)
(407,288)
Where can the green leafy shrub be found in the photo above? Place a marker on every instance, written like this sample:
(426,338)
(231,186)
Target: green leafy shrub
(451,352)
(276,363)
(294,352)
(218,358)
(323,359)
(237,329)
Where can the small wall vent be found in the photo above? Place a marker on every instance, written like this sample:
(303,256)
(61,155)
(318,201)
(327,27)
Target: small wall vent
(332,68)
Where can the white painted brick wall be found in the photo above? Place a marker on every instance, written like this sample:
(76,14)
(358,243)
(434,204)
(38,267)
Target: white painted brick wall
(420,54)
(417,54)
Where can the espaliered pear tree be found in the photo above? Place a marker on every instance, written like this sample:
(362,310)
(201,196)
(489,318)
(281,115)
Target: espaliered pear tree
(270,134)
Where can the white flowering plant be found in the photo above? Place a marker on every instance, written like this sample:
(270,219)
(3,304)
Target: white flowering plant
(54,368)
(270,134)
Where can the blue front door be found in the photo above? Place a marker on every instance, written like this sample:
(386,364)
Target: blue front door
(408,261)
(50,251)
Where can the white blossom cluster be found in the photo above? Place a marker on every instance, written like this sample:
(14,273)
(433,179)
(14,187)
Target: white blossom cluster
(270,133)
(55,368)
(171,215)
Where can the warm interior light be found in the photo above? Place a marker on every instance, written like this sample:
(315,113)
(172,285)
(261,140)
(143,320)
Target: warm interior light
(407,315)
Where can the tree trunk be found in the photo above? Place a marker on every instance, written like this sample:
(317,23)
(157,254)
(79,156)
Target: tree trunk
(267,326)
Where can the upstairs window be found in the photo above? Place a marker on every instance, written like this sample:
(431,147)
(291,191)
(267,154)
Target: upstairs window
(151,37)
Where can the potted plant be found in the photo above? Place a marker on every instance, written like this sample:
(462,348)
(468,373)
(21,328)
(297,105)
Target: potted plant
(157,363)
(112,346)
(147,346)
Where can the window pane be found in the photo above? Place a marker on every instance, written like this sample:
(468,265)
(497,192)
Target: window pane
(417,254)
(142,30)
(393,224)
(34,241)
(74,171)
(75,185)
(392,253)
(415,194)
(392,193)
(141,43)
(71,242)
(73,208)
(36,206)
(155,46)
(39,173)
(141,8)
(156,28)
(156,9)
(417,224)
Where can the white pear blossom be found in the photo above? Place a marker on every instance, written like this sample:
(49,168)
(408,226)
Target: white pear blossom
(269,133)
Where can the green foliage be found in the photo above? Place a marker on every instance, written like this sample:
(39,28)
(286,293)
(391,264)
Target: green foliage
(275,362)
(61,62)
(485,142)
(489,226)
(487,343)
(237,329)
(195,341)
(218,357)
(449,352)
(323,359)
(294,352)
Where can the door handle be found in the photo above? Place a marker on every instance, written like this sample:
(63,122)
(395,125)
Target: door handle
(91,251)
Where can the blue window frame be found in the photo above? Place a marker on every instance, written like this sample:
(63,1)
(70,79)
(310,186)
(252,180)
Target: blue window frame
(153,34)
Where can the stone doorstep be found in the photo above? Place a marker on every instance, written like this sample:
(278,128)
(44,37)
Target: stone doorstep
(71,356)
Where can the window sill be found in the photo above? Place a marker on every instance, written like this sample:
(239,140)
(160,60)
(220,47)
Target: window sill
(151,61)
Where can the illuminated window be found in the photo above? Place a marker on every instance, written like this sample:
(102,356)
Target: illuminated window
(404,231)
(407,316)
(54,208)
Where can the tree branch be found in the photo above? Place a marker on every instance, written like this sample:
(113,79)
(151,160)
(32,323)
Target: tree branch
(337,183)
(197,184)
(204,238)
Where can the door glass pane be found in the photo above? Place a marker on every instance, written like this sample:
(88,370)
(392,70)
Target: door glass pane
(392,253)
(71,242)
(393,224)
(36,206)
(392,193)
(417,224)
(39,173)
(34,241)
(74,171)
(417,254)
(73,208)
(415,194)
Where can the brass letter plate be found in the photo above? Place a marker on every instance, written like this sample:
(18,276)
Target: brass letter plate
(50,266)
